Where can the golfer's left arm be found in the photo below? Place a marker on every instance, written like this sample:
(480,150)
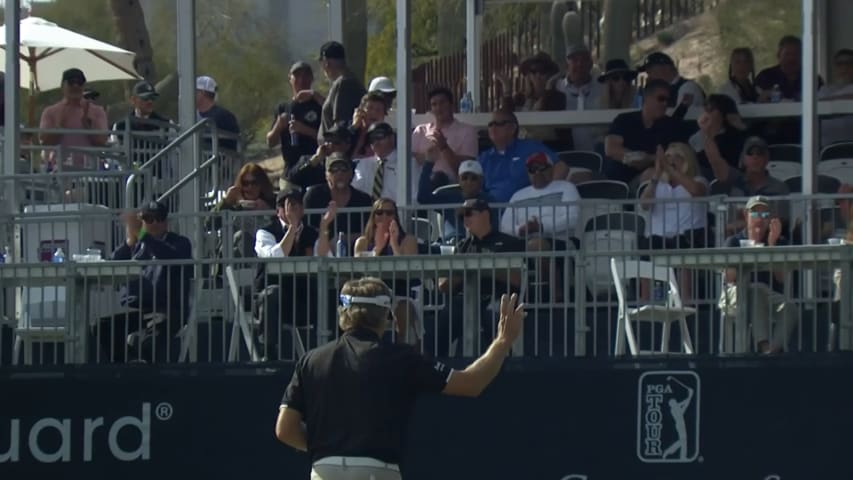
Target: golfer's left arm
(289,428)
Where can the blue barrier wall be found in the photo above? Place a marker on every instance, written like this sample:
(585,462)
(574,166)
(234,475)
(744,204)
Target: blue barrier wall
(745,419)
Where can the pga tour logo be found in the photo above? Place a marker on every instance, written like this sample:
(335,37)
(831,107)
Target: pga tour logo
(668,417)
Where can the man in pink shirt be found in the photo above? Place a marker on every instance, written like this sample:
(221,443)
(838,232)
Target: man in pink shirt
(73,112)
(445,140)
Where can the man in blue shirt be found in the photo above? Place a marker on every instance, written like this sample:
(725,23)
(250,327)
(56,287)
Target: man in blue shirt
(470,186)
(504,168)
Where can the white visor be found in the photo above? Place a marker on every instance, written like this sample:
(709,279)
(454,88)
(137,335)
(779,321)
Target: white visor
(380,301)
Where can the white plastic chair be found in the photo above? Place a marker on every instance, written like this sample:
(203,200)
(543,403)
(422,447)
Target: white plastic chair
(784,170)
(673,311)
(840,168)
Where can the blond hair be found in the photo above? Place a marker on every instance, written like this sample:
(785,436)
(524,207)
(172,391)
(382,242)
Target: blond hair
(683,150)
(364,315)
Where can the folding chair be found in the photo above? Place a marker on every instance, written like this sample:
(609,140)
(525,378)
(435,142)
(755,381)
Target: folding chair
(581,161)
(674,311)
(613,232)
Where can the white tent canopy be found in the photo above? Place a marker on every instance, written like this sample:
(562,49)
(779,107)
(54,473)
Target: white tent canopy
(46,50)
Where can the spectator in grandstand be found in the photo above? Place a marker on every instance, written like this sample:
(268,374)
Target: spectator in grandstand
(226,122)
(149,133)
(787,75)
(619,89)
(741,84)
(767,308)
(722,123)
(252,191)
(634,137)
(310,170)
(377,175)
(838,129)
(582,92)
(338,189)
(373,109)
(368,388)
(158,301)
(544,214)
(754,179)
(295,123)
(503,165)
(675,221)
(383,236)
(283,299)
(346,90)
(659,66)
(445,141)
(470,186)
(73,112)
(535,72)
(385,87)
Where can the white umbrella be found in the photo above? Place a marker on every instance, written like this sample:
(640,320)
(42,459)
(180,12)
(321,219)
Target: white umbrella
(47,50)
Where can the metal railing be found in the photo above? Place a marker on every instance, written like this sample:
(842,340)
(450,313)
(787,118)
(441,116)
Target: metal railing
(228,310)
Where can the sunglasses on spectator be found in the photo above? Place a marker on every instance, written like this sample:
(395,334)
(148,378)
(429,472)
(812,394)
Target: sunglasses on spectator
(339,169)
(500,123)
(380,212)
(75,82)
(764,215)
(534,169)
(469,212)
(469,177)
(249,182)
(662,98)
(757,151)
(537,71)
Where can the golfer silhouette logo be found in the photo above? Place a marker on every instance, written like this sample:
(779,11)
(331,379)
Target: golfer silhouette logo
(668,417)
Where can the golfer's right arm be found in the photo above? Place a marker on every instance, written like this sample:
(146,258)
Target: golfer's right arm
(473,380)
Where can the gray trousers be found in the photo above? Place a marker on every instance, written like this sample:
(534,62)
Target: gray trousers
(353,468)
(773,317)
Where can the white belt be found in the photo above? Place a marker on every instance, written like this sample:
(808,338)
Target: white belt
(357,462)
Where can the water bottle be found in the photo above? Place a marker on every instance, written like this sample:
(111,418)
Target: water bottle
(466,105)
(58,256)
(341,246)
(776,94)
(294,139)
(7,255)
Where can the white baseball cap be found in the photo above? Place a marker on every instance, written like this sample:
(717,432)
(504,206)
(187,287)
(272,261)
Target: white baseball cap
(205,84)
(471,166)
(382,84)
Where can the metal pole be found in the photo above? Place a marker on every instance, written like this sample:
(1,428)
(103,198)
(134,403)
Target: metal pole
(809,105)
(12,130)
(473,13)
(404,101)
(336,20)
(190,158)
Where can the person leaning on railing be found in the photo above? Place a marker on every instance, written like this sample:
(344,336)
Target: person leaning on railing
(772,315)
(384,236)
(159,299)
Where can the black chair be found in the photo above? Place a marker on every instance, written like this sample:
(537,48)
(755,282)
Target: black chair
(604,189)
(825,184)
(581,159)
(840,150)
(786,152)
(718,188)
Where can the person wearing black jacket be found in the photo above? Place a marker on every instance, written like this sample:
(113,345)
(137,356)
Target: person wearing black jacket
(157,302)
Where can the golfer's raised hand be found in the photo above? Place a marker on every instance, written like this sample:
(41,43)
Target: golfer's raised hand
(509,326)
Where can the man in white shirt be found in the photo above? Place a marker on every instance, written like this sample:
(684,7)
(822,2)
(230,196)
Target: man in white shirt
(582,93)
(659,65)
(367,176)
(544,214)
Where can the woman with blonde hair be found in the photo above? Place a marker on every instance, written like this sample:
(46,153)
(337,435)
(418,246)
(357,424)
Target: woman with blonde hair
(676,220)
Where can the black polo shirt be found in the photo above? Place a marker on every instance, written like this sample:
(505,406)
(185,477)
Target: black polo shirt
(225,121)
(319,196)
(791,90)
(307,112)
(494,242)
(636,137)
(356,395)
